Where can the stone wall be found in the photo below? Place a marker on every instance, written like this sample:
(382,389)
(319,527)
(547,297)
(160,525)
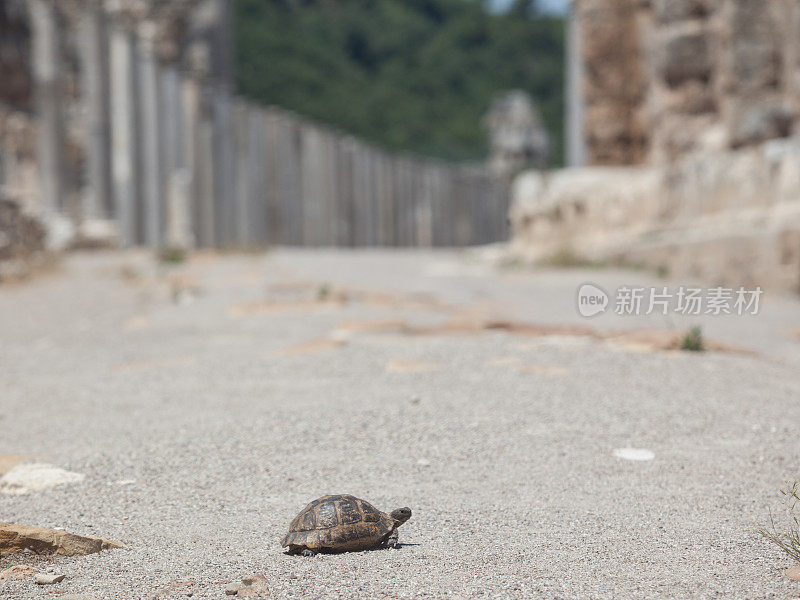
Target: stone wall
(665,78)
(17,131)
(55,99)
(691,131)
(134,136)
(729,218)
(615,81)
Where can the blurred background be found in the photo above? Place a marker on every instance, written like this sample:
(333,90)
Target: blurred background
(245,124)
(599,130)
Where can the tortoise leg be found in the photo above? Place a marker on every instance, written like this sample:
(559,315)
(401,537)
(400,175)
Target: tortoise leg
(393,541)
(293,549)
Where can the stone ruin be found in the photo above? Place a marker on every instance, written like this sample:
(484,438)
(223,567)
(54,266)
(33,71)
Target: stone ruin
(517,137)
(121,126)
(55,105)
(666,78)
(684,143)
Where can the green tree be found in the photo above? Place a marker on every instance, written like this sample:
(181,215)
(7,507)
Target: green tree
(412,75)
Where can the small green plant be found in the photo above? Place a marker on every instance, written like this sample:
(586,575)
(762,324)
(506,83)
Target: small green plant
(693,340)
(172,255)
(787,539)
(323,292)
(567,258)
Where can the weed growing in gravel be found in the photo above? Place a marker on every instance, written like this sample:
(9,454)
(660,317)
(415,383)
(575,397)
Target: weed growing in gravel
(323,292)
(787,539)
(567,258)
(693,340)
(171,255)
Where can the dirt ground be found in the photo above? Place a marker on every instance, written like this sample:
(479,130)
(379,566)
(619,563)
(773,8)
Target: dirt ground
(207,402)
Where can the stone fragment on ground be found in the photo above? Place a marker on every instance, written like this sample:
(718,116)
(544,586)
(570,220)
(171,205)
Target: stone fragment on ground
(19,538)
(17,573)
(793,572)
(635,454)
(254,586)
(34,477)
(48,578)
(410,366)
(9,461)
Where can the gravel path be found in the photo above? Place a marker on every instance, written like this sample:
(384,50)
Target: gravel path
(207,403)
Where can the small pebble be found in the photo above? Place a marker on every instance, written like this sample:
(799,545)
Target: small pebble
(634,454)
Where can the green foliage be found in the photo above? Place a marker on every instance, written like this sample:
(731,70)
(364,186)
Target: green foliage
(693,340)
(788,538)
(415,75)
(171,255)
(567,258)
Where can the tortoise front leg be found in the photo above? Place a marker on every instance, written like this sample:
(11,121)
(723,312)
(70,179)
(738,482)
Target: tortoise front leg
(393,541)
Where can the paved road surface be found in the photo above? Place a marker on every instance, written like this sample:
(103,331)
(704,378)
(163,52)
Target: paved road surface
(206,403)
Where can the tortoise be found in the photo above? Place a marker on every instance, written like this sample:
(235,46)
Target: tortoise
(343,523)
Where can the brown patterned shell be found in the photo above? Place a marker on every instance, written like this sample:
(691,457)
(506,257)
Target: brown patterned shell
(338,523)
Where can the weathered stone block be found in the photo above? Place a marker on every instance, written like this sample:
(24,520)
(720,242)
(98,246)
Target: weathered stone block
(669,11)
(758,120)
(685,56)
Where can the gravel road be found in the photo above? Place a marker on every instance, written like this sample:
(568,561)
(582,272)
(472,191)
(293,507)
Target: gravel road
(206,403)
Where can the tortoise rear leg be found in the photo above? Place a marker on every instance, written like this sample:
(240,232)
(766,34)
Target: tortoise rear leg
(293,549)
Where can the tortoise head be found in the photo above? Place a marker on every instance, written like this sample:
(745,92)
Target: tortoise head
(400,515)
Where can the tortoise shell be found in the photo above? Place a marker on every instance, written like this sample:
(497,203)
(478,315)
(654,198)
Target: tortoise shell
(338,523)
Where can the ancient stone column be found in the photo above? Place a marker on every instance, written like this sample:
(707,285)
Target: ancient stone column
(205,175)
(152,156)
(190,108)
(576,144)
(222,65)
(97,202)
(123,130)
(345,229)
(330,190)
(273,193)
(291,141)
(258,203)
(177,175)
(424,206)
(312,185)
(361,195)
(224,164)
(241,205)
(47,78)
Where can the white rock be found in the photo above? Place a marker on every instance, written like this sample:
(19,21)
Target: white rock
(634,454)
(423,462)
(48,578)
(34,477)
